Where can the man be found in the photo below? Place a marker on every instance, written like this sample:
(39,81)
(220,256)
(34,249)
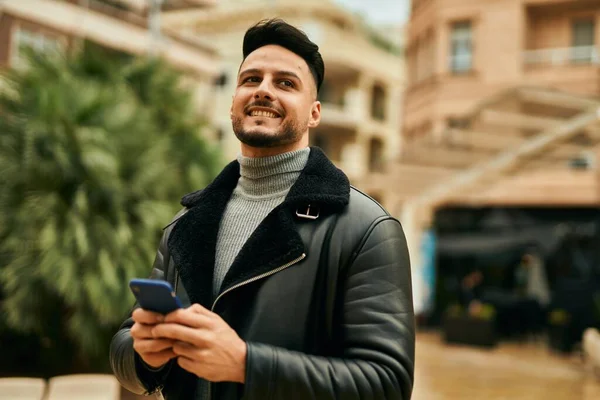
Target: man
(297,286)
(530,277)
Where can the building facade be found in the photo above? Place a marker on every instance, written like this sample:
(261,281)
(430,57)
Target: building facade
(123,25)
(502,108)
(484,77)
(363,84)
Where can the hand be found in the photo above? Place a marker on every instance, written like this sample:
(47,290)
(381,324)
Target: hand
(155,352)
(204,344)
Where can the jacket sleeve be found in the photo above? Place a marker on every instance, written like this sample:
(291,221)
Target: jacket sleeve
(377,334)
(127,365)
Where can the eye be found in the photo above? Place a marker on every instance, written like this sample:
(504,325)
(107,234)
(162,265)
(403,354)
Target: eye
(287,83)
(251,79)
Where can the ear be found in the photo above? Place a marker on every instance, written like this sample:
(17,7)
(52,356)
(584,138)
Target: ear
(315,115)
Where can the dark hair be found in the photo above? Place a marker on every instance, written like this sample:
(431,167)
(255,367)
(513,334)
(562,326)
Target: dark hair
(278,32)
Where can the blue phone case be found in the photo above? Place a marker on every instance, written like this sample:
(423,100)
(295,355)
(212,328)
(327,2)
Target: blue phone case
(155,295)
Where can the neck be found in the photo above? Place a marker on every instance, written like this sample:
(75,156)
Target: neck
(255,152)
(265,177)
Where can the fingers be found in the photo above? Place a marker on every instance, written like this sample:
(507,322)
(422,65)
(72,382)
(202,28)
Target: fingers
(182,333)
(198,309)
(146,317)
(152,345)
(141,331)
(187,350)
(194,317)
(175,332)
(154,352)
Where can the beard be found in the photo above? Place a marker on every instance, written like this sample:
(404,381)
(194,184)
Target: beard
(289,132)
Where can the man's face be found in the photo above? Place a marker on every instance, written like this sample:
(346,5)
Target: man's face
(275,101)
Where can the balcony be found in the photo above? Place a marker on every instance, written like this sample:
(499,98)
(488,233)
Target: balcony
(348,111)
(574,69)
(343,103)
(562,56)
(339,116)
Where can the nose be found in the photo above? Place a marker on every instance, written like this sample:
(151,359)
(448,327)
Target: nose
(264,91)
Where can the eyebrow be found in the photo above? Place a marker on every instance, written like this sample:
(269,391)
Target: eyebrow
(278,73)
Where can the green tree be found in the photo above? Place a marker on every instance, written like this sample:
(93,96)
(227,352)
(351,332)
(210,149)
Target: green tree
(96,148)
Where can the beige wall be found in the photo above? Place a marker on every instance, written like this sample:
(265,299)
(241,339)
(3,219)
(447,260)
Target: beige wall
(552,27)
(548,31)
(582,79)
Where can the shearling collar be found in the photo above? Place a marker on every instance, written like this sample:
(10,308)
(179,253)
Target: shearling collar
(320,182)
(192,242)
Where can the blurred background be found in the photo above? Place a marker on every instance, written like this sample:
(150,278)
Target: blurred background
(476,123)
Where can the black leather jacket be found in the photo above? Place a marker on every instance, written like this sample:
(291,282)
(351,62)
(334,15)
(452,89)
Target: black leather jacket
(324,304)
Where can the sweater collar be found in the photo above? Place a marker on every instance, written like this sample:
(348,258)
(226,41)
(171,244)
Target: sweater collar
(266,177)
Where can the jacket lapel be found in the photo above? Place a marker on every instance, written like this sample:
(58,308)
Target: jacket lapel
(192,242)
(274,243)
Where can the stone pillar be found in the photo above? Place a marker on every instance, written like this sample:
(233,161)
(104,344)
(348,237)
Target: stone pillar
(394,121)
(355,156)
(365,87)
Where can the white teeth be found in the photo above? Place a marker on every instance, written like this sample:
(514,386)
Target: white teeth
(266,114)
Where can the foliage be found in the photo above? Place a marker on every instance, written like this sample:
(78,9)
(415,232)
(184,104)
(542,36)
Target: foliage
(476,309)
(559,317)
(96,148)
(486,312)
(455,310)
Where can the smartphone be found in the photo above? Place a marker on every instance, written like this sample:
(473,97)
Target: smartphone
(155,295)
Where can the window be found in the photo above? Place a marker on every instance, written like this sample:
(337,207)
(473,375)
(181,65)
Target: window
(461,48)
(24,38)
(583,50)
(220,135)
(583,33)
(378,103)
(221,80)
(376,161)
(457,123)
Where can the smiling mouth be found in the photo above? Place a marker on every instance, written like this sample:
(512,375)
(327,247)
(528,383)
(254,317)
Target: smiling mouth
(263,113)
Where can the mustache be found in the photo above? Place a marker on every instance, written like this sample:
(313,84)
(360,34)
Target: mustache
(265,104)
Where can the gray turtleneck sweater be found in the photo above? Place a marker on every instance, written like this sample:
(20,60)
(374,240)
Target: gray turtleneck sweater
(264,182)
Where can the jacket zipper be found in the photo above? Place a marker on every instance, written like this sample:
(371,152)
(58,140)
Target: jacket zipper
(254,279)
(176,280)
